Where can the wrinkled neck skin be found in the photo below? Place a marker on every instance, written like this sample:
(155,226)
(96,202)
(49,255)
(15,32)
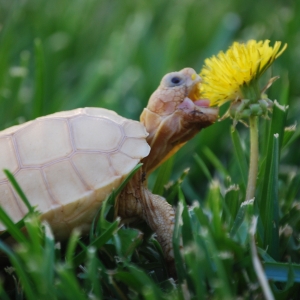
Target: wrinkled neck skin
(171,119)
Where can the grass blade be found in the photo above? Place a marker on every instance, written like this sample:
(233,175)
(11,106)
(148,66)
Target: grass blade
(203,167)
(139,281)
(18,189)
(292,192)
(68,284)
(49,256)
(97,242)
(240,154)
(20,270)
(187,232)
(277,127)
(270,211)
(92,270)
(128,239)
(290,134)
(163,176)
(3,294)
(224,286)
(231,205)
(245,211)
(280,271)
(72,246)
(194,260)
(257,265)
(11,227)
(176,247)
(215,161)
(129,176)
(34,232)
(214,200)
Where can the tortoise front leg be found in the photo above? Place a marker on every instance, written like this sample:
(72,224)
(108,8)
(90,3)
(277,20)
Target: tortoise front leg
(160,216)
(137,201)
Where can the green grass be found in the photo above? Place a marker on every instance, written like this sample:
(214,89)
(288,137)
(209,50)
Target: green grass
(58,55)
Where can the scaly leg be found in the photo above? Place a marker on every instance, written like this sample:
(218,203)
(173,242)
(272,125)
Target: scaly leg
(137,201)
(160,216)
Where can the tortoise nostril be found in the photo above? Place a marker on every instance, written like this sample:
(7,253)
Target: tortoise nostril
(194,76)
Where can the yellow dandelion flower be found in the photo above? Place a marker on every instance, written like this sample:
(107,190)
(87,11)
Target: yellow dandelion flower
(226,75)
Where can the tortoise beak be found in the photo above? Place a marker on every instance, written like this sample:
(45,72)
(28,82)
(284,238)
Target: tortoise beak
(193,100)
(193,84)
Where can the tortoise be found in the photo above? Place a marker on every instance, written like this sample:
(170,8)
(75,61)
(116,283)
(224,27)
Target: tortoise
(68,162)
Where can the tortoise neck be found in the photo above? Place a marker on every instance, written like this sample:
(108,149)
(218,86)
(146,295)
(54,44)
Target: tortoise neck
(165,137)
(168,133)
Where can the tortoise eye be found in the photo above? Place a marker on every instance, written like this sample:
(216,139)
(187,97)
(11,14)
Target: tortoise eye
(176,80)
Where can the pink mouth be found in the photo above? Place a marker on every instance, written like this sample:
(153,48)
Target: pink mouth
(189,104)
(202,103)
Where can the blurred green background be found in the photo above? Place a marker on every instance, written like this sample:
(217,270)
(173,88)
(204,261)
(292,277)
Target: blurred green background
(57,55)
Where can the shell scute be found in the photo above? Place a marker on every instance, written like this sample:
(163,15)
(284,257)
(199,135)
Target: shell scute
(15,128)
(135,148)
(9,203)
(135,129)
(35,192)
(64,183)
(43,141)
(95,168)
(122,163)
(91,133)
(8,159)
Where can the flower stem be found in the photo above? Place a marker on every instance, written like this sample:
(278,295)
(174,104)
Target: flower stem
(253,166)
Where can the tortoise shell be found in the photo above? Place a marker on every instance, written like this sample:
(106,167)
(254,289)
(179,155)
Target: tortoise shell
(67,163)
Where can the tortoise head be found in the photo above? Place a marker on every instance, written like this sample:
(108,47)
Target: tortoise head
(174,114)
